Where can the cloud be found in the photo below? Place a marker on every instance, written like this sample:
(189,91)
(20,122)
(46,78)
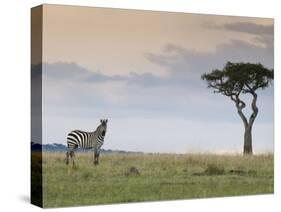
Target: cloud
(72,71)
(188,63)
(264,34)
(184,65)
(70,87)
(71,90)
(250,28)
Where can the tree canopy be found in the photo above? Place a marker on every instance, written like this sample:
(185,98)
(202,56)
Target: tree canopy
(236,78)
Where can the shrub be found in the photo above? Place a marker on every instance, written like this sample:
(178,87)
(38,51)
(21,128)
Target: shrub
(213,169)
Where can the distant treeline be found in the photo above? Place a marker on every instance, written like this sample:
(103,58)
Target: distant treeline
(55,147)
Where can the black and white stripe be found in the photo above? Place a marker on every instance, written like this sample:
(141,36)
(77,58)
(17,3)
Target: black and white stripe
(86,140)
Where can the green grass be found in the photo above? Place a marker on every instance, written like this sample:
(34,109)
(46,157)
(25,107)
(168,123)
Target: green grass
(151,177)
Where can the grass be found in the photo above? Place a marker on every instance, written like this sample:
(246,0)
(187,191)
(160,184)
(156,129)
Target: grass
(124,178)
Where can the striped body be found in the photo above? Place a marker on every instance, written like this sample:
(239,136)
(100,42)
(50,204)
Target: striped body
(85,140)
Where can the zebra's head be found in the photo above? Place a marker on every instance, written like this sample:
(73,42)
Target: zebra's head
(103,126)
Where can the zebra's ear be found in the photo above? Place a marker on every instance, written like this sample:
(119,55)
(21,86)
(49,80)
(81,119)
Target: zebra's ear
(105,121)
(101,121)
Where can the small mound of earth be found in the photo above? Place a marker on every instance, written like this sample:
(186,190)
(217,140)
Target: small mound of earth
(133,171)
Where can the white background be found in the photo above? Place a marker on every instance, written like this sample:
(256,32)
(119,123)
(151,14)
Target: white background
(15,103)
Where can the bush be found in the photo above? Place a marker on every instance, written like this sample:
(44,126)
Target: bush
(213,169)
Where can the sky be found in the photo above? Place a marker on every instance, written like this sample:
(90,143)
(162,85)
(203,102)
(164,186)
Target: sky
(141,70)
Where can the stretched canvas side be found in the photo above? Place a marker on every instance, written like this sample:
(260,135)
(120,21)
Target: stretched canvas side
(36,106)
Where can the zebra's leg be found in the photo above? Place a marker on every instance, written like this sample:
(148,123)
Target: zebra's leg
(72,156)
(97,154)
(93,156)
(95,160)
(67,158)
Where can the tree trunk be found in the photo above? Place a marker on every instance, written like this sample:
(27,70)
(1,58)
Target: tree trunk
(240,105)
(248,150)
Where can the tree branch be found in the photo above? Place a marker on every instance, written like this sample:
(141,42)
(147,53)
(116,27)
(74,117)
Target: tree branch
(254,109)
(240,105)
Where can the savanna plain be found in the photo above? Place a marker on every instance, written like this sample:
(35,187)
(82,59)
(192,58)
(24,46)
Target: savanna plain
(123,178)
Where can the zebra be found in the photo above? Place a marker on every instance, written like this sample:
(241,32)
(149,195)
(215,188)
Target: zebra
(86,140)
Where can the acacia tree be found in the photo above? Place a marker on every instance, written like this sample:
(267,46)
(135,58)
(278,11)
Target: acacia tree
(241,78)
